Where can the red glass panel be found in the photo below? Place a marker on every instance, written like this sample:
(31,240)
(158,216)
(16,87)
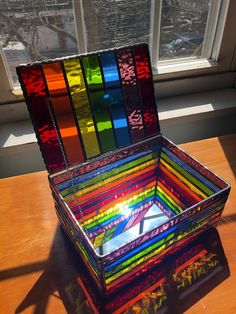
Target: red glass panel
(35,92)
(147,94)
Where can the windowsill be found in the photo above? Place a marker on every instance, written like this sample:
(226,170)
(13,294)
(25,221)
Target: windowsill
(17,133)
(197,105)
(181,109)
(183,65)
(17,92)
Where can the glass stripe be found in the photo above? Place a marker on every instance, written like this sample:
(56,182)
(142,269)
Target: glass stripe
(187,175)
(99,223)
(81,105)
(112,181)
(35,90)
(98,101)
(195,196)
(63,112)
(121,205)
(176,189)
(100,182)
(182,179)
(130,92)
(191,227)
(171,194)
(146,88)
(116,192)
(109,234)
(190,170)
(87,174)
(115,98)
(169,199)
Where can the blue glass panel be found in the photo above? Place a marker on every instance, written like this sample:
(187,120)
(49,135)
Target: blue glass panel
(114,97)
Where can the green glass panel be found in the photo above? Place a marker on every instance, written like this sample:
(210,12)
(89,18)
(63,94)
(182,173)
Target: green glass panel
(80,100)
(99,102)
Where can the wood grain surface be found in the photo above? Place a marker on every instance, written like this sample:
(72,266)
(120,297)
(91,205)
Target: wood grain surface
(35,269)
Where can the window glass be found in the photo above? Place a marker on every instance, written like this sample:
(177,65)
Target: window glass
(112,23)
(36,30)
(183,26)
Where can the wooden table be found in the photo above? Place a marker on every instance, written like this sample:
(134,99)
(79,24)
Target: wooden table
(36,274)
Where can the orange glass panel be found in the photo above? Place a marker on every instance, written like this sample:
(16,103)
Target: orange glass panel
(63,112)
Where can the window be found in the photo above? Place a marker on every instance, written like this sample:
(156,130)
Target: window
(183,34)
(183,26)
(35,30)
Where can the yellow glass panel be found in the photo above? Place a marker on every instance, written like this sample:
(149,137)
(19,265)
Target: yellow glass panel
(80,100)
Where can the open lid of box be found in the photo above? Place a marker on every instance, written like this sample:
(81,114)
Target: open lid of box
(87,105)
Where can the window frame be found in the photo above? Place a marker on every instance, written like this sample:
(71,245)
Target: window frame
(223,56)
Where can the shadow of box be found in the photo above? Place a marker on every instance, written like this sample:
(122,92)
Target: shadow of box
(142,196)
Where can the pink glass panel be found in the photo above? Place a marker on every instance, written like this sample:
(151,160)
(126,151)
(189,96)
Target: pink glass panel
(130,92)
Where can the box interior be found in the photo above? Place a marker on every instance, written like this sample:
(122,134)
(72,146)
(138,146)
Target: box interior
(121,200)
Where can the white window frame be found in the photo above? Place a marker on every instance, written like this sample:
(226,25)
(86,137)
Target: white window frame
(218,47)
(221,58)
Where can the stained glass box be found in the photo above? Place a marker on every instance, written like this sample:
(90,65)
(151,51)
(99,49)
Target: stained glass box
(125,195)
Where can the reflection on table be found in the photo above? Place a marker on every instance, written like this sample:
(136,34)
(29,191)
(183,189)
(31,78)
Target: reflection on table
(172,286)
